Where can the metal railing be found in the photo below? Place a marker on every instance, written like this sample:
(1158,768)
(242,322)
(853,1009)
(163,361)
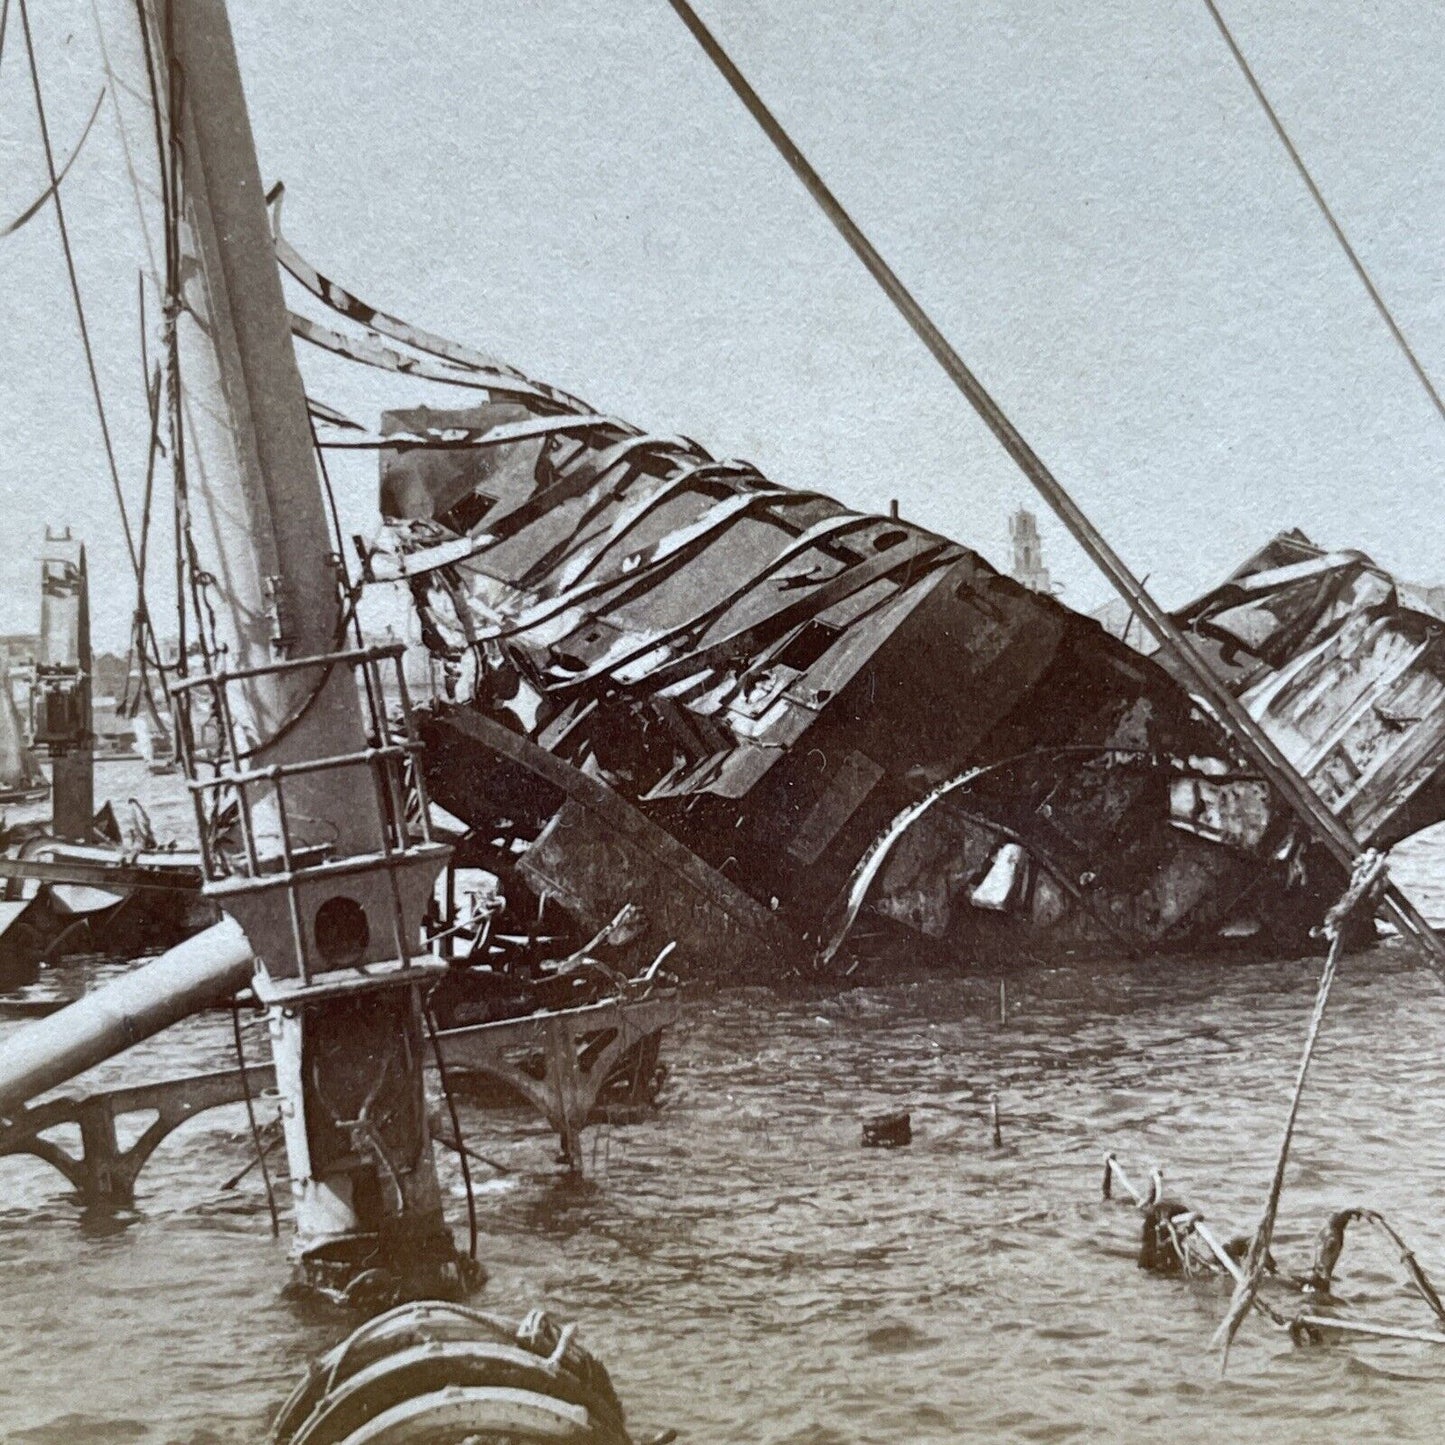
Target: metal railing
(222,768)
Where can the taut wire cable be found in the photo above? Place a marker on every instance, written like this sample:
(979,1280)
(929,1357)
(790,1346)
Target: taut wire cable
(1324,208)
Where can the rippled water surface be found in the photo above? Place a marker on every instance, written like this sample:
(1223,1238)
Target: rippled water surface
(749,1273)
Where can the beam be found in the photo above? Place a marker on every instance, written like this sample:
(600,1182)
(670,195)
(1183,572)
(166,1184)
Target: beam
(119,1014)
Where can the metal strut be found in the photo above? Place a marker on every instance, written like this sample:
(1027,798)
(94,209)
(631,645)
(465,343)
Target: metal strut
(103,1172)
(1251,738)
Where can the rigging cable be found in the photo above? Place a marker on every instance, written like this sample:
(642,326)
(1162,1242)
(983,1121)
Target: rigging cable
(351,590)
(38,204)
(168,169)
(461,1148)
(1236,719)
(142,626)
(1325,211)
(75,283)
(116,87)
(251,1116)
(143,635)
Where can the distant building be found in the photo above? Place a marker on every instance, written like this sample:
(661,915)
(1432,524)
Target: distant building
(115,734)
(1028,562)
(110,673)
(18,647)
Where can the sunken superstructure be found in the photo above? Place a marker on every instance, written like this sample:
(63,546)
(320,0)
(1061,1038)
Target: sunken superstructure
(1343,665)
(797,734)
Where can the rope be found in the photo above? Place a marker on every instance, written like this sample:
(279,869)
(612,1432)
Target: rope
(1367,877)
(115,87)
(168,160)
(142,632)
(142,627)
(251,1116)
(342,565)
(38,204)
(352,589)
(1325,211)
(75,283)
(436,1045)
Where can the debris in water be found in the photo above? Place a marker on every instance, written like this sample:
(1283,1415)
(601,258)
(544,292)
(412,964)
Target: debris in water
(1176,1242)
(888,1131)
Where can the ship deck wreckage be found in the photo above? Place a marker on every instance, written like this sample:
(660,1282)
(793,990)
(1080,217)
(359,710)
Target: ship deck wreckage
(799,738)
(1344,666)
(800,735)
(832,719)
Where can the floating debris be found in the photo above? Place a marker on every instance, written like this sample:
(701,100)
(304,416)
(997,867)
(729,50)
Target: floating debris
(888,1131)
(1176,1242)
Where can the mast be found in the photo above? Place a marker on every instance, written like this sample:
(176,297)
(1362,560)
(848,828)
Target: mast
(304,808)
(63,717)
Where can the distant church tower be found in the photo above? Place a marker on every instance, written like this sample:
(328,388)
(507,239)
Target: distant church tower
(1028,565)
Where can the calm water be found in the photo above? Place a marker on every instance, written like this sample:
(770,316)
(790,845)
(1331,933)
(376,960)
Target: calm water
(749,1273)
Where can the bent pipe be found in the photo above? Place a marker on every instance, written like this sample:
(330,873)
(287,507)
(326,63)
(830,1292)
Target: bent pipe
(112,1018)
(846,908)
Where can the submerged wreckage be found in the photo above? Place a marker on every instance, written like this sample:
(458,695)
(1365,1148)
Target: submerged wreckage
(1344,666)
(799,734)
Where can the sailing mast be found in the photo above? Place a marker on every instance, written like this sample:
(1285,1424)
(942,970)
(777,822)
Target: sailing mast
(318,864)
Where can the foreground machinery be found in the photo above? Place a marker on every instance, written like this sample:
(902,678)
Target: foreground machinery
(316,850)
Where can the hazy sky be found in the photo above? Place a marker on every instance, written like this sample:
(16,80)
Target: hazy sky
(1085,196)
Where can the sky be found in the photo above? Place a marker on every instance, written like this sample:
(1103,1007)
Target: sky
(1085,197)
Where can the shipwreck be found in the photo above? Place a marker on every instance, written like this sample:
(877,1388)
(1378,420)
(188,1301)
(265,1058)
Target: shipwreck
(799,735)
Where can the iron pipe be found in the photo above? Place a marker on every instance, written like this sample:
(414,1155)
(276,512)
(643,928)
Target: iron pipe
(150,997)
